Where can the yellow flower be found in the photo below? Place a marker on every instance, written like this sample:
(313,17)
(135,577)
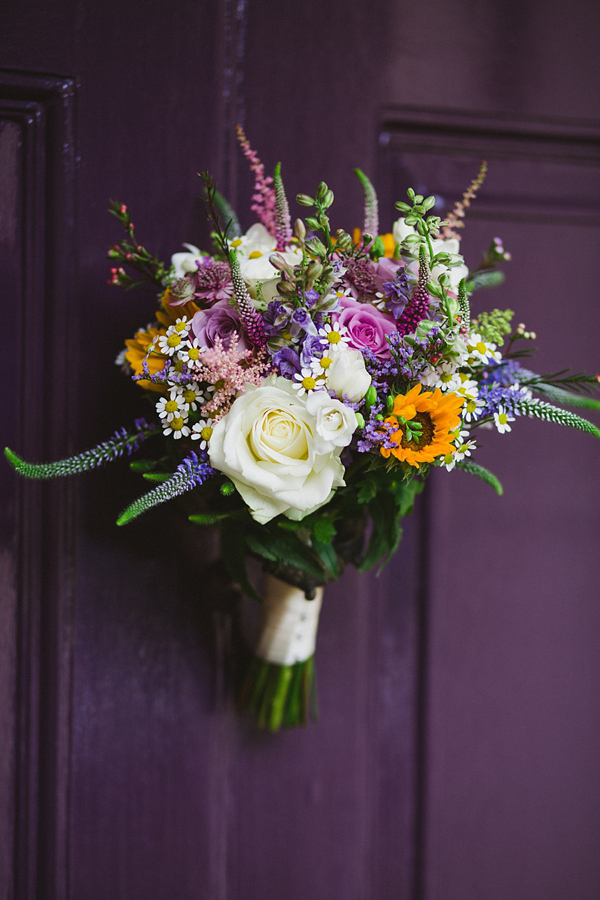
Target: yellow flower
(436,413)
(137,352)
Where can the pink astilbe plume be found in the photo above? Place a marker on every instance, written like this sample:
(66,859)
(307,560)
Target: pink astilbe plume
(230,371)
(264,196)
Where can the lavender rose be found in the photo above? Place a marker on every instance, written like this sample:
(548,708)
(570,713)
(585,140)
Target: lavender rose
(367,326)
(222,321)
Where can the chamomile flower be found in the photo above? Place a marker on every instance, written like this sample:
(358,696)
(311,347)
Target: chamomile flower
(190,353)
(501,418)
(444,376)
(202,432)
(174,339)
(306,381)
(480,350)
(321,365)
(177,427)
(168,408)
(334,337)
(190,395)
(472,409)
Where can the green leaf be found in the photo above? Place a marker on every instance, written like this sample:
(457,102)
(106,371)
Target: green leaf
(386,533)
(481,472)
(490,278)
(328,557)
(235,560)
(157,476)
(324,530)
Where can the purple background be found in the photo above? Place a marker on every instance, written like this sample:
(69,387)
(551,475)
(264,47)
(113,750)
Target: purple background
(456,754)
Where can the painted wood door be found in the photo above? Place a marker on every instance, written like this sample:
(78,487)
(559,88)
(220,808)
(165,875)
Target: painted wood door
(455,756)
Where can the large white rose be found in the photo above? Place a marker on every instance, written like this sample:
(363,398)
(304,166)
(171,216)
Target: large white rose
(268,445)
(347,375)
(401,230)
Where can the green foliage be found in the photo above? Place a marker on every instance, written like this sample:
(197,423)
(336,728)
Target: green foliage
(487,278)
(493,326)
(481,472)
(226,213)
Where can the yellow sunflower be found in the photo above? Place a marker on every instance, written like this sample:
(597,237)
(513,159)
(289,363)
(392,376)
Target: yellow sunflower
(436,413)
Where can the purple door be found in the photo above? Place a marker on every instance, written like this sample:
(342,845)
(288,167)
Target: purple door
(456,755)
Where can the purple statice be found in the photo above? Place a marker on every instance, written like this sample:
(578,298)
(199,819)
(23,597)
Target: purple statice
(396,294)
(376,433)
(287,362)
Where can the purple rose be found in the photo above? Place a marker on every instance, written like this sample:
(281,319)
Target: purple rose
(222,321)
(367,326)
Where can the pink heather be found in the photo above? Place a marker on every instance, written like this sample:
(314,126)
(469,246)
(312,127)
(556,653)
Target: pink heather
(264,196)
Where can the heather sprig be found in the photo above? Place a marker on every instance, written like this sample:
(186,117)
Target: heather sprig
(264,194)
(192,472)
(121,442)
(371,216)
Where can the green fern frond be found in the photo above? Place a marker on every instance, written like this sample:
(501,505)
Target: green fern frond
(539,409)
(481,472)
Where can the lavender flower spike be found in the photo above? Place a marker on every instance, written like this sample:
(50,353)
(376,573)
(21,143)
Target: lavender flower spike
(283,222)
(251,318)
(371,225)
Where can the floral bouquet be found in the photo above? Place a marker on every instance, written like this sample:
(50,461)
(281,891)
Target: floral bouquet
(305,382)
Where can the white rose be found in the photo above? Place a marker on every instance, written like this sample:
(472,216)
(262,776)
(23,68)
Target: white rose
(335,422)
(268,445)
(347,376)
(401,230)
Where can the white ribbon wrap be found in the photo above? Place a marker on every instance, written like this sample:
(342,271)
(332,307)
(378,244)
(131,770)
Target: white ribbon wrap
(289,627)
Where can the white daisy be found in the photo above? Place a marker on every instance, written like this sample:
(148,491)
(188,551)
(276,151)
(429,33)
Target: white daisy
(501,418)
(480,350)
(177,427)
(170,407)
(306,381)
(334,337)
(190,353)
(173,341)
(190,395)
(202,432)
(320,366)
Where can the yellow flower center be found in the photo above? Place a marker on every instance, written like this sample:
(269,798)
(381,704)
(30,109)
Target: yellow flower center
(286,335)
(173,340)
(206,433)
(193,353)
(446,377)
(236,243)
(502,419)
(326,362)
(181,326)
(177,423)
(171,406)
(334,337)
(309,383)
(480,347)
(471,406)
(256,254)
(189,396)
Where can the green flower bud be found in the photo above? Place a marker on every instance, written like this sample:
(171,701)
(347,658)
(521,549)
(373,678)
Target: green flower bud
(360,420)
(304,200)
